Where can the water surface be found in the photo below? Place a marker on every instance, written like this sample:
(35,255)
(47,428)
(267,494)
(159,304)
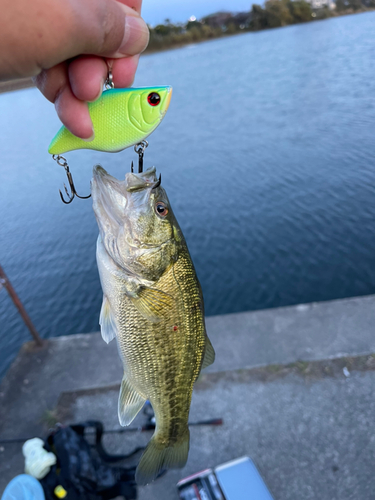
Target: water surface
(267,154)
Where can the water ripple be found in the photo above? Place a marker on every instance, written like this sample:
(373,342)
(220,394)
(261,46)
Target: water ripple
(267,153)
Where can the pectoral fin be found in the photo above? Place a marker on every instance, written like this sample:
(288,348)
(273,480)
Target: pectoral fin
(107,322)
(129,402)
(209,354)
(153,304)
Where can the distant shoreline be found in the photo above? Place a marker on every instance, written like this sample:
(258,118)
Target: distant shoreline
(24,83)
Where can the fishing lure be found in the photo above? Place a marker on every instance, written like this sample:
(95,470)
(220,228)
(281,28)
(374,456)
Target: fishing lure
(121,118)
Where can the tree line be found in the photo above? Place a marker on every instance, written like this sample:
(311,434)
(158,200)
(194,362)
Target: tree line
(274,14)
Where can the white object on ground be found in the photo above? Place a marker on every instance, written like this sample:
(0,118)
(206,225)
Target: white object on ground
(38,461)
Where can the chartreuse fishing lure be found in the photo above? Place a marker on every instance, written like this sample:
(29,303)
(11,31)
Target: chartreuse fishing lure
(121,118)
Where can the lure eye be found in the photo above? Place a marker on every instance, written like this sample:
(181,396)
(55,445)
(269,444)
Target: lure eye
(161,209)
(153,99)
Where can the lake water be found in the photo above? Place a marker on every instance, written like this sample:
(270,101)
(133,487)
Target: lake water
(268,156)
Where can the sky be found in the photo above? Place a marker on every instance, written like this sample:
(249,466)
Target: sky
(156,11)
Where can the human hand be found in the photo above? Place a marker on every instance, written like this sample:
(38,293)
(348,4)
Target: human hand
(67,47)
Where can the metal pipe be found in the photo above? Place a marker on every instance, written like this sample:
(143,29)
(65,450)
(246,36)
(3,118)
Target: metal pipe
(11,291)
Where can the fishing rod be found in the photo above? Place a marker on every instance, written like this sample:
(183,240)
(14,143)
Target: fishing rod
(150,426)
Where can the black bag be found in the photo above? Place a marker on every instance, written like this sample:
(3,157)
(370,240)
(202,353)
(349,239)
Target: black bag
(83,470)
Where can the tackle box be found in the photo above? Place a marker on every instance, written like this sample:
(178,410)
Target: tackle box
(235,480)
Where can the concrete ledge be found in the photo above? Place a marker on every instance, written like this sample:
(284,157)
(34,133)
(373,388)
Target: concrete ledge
(31,389)
(308,426)
(275,336)
(309,371)
(306,332)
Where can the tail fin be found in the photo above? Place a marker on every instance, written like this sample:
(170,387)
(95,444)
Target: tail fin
(157,458)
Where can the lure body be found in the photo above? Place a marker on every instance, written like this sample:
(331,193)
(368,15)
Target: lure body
(121,118)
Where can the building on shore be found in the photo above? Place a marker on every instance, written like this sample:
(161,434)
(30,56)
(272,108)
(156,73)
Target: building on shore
(320,4)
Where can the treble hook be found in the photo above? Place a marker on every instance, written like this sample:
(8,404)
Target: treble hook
(140,150)
(63,163)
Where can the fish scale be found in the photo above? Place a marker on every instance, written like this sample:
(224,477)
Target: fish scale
(144,360)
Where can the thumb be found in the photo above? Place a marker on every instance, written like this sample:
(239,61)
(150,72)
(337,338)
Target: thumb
(109,28)
(99,27)
(49,33)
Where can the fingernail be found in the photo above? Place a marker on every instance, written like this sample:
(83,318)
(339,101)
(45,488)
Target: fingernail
(90,138)
(136,36)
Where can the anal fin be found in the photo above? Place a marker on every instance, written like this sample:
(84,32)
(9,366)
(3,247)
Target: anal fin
(209,354)
(130,402)
(107,322)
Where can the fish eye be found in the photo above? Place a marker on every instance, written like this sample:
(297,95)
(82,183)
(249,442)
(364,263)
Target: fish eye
(161,209)
(153,99)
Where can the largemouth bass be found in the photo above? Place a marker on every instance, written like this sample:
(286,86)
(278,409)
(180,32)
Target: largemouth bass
(153,305)
(121,118)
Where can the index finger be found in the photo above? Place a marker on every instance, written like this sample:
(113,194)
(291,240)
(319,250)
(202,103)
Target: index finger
(133,4)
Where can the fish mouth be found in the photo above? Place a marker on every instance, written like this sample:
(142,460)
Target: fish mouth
(106,190)
(141,181)
(100,174)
